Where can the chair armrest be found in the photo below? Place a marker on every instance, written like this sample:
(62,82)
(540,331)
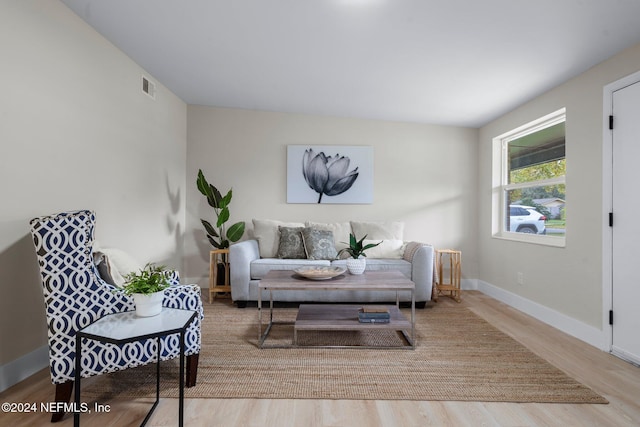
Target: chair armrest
(421,257)
(173,276)
(185,297)
(240,257)
(119,301)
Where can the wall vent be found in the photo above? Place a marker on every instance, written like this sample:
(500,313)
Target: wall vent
(148,87)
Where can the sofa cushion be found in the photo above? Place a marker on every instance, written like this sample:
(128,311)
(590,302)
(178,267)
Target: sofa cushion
(260,267)
(291,244)
(266,233)
(378,230)
(340,230)
(390,248)
(319,244)
(381,265)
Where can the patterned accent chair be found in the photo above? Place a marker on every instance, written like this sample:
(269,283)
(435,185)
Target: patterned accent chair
(75,296)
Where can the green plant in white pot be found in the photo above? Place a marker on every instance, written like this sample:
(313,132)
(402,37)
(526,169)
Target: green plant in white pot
(147,288)
(356,249)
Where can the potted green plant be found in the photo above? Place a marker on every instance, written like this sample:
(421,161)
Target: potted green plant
(219,236)
(356,249)
(147,288)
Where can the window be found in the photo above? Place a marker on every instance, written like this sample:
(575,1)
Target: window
(529,179)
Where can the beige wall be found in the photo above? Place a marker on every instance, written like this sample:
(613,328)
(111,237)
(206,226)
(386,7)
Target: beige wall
(568,280)
(424,175)
(76,132)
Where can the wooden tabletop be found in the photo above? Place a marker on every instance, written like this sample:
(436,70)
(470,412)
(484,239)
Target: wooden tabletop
(369,280)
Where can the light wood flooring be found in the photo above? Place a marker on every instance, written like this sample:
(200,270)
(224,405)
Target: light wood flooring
(613,378)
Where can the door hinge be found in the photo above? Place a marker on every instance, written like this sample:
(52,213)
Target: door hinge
(611,317)
(610,219)
(610,122)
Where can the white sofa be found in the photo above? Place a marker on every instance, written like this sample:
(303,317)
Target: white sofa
(251,259)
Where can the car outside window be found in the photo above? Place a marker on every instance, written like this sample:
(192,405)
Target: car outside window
(531,192)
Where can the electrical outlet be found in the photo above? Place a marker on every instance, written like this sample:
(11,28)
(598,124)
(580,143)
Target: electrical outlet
(520,278)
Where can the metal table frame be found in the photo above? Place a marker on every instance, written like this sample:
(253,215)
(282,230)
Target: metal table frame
(122,328)
(335,284)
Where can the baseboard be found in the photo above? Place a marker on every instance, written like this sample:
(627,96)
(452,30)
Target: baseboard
(562,322)
(469,284)
(23,367)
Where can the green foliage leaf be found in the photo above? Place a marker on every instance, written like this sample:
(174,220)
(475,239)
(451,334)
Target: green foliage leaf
(370,245)
(216,201)
(356,248)
(214,243)
(235,232)
(209,228)
(223,217)
(203,185)
(152,278)
(226,200)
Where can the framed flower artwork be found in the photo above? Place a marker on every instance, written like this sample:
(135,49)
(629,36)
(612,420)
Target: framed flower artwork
(327,174)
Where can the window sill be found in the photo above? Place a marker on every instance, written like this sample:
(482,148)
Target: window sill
(536,239)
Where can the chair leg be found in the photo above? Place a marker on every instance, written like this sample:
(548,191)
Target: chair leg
(63,394)
(192,369)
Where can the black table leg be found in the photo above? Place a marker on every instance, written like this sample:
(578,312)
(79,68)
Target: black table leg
(144,422)
(76,412)
(181,402)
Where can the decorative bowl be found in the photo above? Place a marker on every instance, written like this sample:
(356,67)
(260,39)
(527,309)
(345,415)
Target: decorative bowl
(319,273)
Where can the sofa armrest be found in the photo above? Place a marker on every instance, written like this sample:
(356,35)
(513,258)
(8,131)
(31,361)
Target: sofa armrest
(240,256)
(421,257)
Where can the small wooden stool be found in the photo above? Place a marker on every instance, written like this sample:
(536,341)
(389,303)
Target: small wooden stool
(218,256)
(449,271)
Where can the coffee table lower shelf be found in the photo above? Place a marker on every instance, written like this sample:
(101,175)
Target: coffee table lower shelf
(327,317)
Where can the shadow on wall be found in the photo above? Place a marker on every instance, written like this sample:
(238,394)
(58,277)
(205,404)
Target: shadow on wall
(174,225)
(23,327)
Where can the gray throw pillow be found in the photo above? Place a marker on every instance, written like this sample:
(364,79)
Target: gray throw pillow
(319,244)
(291,246)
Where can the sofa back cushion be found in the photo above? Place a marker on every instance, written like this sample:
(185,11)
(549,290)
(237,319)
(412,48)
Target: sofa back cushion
(389,248)
(268,236)
(291,245)
(378,230)
(340,232)
(319,244)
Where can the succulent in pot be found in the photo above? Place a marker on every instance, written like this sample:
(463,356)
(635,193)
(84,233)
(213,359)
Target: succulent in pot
(356,249)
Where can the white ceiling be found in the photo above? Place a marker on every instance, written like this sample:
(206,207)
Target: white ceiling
(453,62)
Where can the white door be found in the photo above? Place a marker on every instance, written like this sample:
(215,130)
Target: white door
(626,223)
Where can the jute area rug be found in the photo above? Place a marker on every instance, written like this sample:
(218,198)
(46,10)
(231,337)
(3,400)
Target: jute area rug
(459,356)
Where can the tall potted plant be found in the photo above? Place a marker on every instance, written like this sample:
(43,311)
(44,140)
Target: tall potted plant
(356,249)
(147,288)
(219,236)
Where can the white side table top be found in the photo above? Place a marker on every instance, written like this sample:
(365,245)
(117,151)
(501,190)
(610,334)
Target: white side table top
(127,326)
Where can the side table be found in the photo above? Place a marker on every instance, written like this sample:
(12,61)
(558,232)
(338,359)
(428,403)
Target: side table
(448,264)
(122,328)
(218,257)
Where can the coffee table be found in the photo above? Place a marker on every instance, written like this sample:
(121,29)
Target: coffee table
(337,316)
